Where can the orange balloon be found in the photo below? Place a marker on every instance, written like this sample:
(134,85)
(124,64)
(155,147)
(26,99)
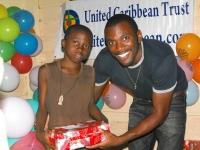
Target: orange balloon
(32,31)
(188,47)
(105,90)
(196,67)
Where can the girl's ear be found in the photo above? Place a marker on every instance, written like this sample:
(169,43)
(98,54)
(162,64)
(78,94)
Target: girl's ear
(63,43)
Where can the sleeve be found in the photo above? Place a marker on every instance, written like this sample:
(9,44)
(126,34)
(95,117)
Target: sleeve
(165,75)
(102,67)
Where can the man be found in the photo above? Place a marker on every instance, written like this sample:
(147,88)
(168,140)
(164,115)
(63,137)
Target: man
(148,69)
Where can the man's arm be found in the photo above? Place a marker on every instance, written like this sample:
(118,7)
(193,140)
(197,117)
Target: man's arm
(161,106)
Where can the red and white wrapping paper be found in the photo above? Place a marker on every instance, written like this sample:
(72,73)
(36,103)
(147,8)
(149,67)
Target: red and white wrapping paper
(78,135)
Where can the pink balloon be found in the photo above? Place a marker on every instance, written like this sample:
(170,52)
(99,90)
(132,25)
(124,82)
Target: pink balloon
(187,68)
(115,98)
(28,142)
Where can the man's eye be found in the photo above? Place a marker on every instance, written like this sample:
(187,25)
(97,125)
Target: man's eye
(126,38)
(110,42)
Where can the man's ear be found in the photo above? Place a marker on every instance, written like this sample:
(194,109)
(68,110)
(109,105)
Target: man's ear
(139,34)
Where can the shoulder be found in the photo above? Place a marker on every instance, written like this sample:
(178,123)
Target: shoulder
(157,47)
(87,67)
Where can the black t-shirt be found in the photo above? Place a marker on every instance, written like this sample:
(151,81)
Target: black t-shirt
(159,70)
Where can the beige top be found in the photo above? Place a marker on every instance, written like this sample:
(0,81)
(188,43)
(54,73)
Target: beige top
(74,108)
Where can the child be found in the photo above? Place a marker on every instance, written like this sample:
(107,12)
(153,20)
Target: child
(66,87)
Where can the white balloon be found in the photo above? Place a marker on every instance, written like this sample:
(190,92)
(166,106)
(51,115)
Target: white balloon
(33,87)
(19,116)
(1,69)
(11,78)
(39,48)
(33,75)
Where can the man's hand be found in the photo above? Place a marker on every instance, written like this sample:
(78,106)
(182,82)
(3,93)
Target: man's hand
(109,140)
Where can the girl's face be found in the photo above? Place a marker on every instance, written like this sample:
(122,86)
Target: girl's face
(77,46)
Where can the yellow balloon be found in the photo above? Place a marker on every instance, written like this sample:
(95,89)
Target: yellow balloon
(3,11)
(188,47)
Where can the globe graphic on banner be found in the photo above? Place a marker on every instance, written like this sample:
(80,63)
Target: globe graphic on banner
(70,18)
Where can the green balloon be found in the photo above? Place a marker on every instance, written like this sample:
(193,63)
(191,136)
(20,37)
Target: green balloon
(12,9)
(7,50)
(9,29)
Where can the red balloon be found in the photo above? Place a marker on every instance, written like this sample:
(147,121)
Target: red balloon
(22,63)
(28,142)
(196,66)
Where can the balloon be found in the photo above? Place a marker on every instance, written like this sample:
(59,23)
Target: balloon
(192,93)
(26,44)
(1,69)
(32,31)
(19,116)
(188,47)
(28,142)
(11,78)
(105,90)
(9,29)
(39,48)
(115,97)
(196,66)
(25,20)
(100,103)
(178,58)
(11,141)
(7,50)
(22,63)
(3,11)
(34,104)
(35,95)
(33,75)
(32,87)
(12,9)
(187,68)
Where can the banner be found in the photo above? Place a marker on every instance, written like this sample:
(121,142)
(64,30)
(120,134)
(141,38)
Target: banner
(157,19)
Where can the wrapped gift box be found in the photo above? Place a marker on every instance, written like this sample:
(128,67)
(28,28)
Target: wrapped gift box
(191,145)
(78,135)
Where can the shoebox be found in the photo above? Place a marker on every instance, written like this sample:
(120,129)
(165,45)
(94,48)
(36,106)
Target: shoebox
(78,135)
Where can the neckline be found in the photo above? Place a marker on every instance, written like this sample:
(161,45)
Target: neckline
(58,63)
(141,60)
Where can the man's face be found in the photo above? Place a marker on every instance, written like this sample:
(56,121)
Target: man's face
(122,43)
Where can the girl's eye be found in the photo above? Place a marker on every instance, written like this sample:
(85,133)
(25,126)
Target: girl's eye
(86,46)
(75,42)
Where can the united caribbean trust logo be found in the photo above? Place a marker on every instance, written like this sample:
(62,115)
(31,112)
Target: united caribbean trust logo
(70,18)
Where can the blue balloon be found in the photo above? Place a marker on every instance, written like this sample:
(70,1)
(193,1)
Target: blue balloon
(34,104)
(192,93)
(35,95)
(11,141)
(24,19)
(100,103)
(26,44)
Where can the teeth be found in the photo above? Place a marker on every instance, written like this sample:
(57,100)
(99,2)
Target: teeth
(123,55)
